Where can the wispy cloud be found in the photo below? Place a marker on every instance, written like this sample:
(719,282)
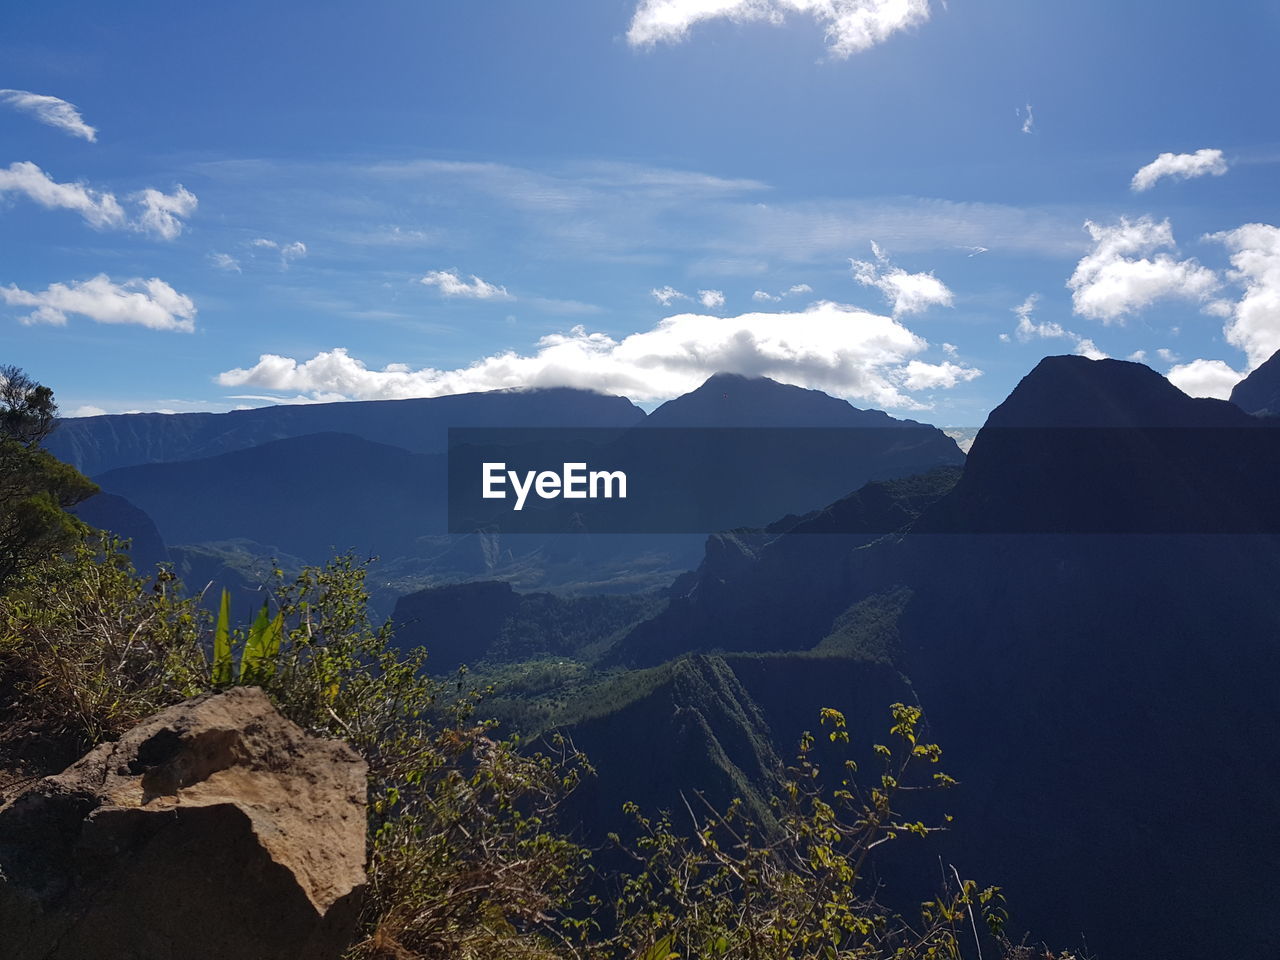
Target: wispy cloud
(289,252)
(1128,270)
(52,111)
(668,295)
(147,303)
(450,284)
(1029,328)
(851,25)
(1028,117)
(764,296)
(905,292)
(832,347)
(1179,166)
(224,261)
(159,214)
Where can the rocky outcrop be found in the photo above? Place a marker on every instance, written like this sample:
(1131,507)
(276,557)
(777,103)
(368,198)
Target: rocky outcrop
(215,829)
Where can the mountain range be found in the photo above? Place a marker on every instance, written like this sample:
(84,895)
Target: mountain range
(1084,606)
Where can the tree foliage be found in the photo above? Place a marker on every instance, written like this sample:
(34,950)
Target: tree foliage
(36,488)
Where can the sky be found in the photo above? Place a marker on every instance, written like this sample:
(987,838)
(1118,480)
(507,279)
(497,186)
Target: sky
(906,203)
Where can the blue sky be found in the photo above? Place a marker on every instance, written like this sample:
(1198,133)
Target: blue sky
(248,203)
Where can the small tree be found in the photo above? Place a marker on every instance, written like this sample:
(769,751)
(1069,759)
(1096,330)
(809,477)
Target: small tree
(36,489)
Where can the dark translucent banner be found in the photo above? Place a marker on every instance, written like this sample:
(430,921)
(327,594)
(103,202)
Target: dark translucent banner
(1025,480)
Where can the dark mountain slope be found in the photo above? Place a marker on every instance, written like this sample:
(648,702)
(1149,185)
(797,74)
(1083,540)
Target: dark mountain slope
(731,400)
(98,444)
(1259,392)
(309,496)
(1110,702)
(469,623)
(106,511)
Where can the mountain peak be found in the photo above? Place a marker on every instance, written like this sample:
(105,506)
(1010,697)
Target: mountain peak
(734,400)
(1072,391)
(1259,392)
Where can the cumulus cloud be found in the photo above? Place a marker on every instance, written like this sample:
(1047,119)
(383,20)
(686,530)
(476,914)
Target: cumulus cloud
(99,209)
(1253,322)
(162,213)
(668,295)
(828,346)
(53,111)
(851,25)
(148,303)
(919,375)
(159,213)
(1179,166)
(1125,272)
(1205,378)
(711,299)
(905,292)
(450,284)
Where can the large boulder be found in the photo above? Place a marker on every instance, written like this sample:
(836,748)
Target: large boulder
(215,829)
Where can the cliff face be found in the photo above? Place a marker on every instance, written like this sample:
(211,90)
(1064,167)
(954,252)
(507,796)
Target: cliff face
(216,830)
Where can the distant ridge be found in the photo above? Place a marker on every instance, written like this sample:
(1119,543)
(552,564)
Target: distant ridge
(97,444)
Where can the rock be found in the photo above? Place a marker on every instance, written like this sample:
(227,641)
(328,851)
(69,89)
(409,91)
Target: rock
(215,829)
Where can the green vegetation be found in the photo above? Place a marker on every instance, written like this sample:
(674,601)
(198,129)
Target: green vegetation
(36,489)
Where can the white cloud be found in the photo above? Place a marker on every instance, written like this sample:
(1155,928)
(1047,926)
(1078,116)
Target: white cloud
(1167,355)
(950,349)
(1253,323)
(1028,119)
(905,292)
(148,303)
(668,295)
(162,212)
(1028,329)
(53,111)
(796,290)
(1124,272)
(934,376)
(1179,166)
(1087,348)
(828,346)
(87,410)
(289,252)
(851,25)
(99,209)
(1205,378)
(159,214)
(224,261)
(711,299)
(1138,356)
(450,284)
